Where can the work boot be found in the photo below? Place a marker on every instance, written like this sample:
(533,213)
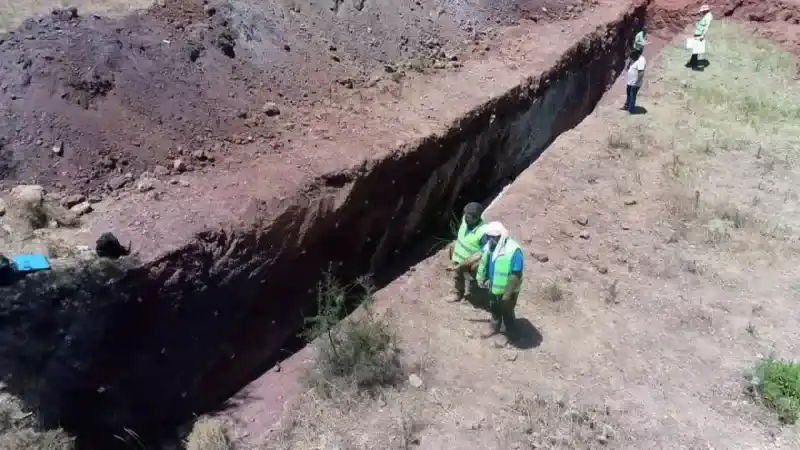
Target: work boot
(493,329)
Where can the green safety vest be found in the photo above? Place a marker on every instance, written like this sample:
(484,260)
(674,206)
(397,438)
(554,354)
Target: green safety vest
(468,242)
(638,41)
(502,268)
(702,25)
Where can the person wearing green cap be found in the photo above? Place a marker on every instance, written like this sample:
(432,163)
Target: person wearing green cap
(465,251)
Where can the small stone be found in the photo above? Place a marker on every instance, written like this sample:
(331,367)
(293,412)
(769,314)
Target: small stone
(178,165)
(72,200)
(58,149)
(28,194)
(118,182)
(584,234)
(107,162)
(270,109)
(415,381)
(602,269)
(625,226)
(582,220)
(95,199)
(541,257)
(183,183)
(630,201)
(2,207)
(512,356)
(199,155)
(439,65)
(160,171)
(145,184)
(81,209)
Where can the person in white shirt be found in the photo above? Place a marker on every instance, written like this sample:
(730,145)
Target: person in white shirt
(634,75)
(698,42)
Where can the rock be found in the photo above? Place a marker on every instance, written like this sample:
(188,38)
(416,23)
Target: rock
(512,356)
(183,182)
(117,183)
(160,171)
(541,257)
(72,200)
(625,226)
(108,246)
(145,184)
(439,65)
(107,162)
(602,269)
(630,201)
(270,109)
(584,234)
(81,209)
(2,207)
(28,194)
(58,149)
(178,165)
(199,155)
(8,274)
(415,381)
(94,199)
(582,220)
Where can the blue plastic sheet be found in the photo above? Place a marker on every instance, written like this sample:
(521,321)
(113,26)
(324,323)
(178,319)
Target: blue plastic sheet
(31,262)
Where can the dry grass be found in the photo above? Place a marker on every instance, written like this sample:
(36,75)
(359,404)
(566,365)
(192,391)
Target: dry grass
(14,12)
(209,433)
(18,433)
(358,354)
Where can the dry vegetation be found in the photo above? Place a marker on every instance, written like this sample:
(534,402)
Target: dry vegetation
(17,431)
(652,318)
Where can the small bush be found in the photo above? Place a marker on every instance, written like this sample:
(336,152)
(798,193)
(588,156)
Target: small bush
(17,434)
(358,354)
(778,384)
(209,434)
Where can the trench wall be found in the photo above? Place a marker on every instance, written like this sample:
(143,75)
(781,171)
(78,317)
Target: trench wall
(143,347)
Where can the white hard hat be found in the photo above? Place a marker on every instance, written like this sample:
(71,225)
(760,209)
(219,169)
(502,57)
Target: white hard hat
(705,8)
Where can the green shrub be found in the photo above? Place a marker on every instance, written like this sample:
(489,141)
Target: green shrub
(778,384)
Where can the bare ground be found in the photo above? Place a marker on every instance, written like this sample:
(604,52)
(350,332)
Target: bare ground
(642,323)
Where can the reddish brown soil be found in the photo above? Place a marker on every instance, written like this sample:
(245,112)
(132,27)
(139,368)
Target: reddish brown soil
(123,96)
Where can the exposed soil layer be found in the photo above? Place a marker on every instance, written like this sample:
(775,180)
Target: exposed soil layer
(126,95)
(149,345)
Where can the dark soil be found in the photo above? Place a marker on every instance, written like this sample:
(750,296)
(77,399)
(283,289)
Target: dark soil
(122,96)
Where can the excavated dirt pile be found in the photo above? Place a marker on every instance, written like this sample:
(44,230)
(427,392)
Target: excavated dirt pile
(119,96)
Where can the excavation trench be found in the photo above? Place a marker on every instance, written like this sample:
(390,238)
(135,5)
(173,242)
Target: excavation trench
(145,348)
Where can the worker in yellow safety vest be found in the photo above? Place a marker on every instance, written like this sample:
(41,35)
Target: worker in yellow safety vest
(465,251)
(500,272)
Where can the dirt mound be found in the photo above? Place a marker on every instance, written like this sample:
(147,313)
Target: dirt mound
(85,99)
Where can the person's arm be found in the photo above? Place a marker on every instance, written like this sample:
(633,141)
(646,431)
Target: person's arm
(640,72)
(515,278)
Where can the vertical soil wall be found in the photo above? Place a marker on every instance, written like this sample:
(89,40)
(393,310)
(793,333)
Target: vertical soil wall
(144,346)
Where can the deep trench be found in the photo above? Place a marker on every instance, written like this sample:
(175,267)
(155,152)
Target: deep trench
(147,348)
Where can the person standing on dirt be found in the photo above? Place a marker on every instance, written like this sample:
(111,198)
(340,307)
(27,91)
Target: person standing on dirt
(465,251)
(500,272)
(698,43)
(634,76)
(640,40)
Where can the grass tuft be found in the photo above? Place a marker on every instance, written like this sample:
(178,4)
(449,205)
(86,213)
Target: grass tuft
(777,383)
(357,354)
(209,434)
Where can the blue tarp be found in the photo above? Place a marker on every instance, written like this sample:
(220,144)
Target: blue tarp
(31,262)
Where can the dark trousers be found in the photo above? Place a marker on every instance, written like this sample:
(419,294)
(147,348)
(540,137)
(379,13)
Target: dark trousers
(630,101)
(503,312)
(463,280)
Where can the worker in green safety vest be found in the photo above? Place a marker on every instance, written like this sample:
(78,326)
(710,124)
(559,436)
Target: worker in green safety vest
(640,40)
(500,272)
(697,44)
(465,251)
